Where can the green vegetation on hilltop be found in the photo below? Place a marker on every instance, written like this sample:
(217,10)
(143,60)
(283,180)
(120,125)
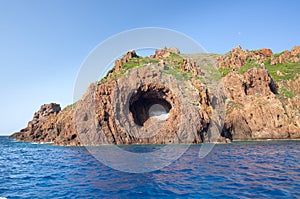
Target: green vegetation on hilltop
(279,72)
(286,71)
(135,62)
(177,73)
(250,64)
(172,63)
(277,54)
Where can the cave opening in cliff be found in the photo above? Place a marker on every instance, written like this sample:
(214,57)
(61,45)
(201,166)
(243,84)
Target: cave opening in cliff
(148,104)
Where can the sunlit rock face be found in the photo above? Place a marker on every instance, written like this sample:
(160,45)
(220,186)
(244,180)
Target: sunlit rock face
(152,107)
(162,99)
(140,105)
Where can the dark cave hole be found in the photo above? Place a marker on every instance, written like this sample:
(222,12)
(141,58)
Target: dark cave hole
(141,103)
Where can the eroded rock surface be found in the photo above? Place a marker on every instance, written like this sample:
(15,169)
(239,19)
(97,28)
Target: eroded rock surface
(121,109)
(50,125)
(287,56)
(253,110)
(237,58)
(257,106)
(117,110)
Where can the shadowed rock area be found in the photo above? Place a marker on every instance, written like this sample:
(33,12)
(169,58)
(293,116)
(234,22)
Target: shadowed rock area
(173,98)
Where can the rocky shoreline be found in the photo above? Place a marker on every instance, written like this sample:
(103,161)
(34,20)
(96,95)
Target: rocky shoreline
(260,92)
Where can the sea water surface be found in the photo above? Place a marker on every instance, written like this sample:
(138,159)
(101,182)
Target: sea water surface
(238,170)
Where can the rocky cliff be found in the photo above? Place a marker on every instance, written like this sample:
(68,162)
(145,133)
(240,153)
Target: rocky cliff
(258,107)
(50,125)
(165,98)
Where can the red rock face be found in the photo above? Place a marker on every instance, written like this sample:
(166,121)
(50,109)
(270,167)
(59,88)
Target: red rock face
(287,56)
(117,111)
(165,52)
(254,112)
(251,106)
(50,124)
(266,52)
(255,82)
(238,58)
(119,62)
(191,66)
(295,51)
(122,111)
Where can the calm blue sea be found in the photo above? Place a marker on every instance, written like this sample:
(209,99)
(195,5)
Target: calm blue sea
(239,170)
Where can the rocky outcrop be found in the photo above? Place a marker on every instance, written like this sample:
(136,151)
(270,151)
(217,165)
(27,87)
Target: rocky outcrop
(237,58)
(50,125)
(125,59)
(190,66)
(164,53)
(255,82)
(253,110)
(118,111)
(287,56)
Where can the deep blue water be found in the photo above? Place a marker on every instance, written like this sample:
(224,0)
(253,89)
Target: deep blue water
(239,170)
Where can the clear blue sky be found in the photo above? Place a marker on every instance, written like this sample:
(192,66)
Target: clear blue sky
(44,42)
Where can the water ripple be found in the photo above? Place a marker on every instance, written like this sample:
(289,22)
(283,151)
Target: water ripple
(238,170)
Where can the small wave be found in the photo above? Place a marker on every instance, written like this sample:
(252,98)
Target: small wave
(163,116)
(2,197)
(41,143)
(234,170)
